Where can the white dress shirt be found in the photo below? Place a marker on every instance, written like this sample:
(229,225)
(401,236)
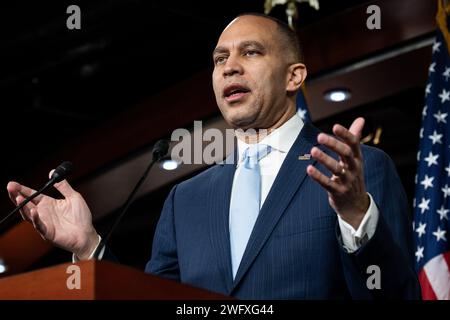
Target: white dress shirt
(100,255)
(281,141)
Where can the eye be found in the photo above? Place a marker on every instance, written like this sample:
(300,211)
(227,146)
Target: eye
(251,53)
(220,60)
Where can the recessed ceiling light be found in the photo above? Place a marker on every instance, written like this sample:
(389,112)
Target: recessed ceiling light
(337,95)
(169,164)
(3,267)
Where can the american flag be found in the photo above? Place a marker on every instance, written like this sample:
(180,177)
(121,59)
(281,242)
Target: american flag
(302,106)
(432,197)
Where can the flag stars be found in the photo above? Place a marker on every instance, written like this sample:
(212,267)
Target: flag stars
(436,46)
(424,205)
(431,159)
(428,89)
(442,213)
(440,117)
(419,253)
(421,229)
(435,137)
(444,95)
(427,182)
(446,73)
(424,111)
(434,202)
(448,169)
(446,191)
(440,234)
(302,114)
(431,68)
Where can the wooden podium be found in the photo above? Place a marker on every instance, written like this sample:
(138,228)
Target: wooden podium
(99,280)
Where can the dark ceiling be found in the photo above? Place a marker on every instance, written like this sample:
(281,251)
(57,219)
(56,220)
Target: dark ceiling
(57,83)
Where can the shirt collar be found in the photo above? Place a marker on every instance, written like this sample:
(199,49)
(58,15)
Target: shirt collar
(281,139)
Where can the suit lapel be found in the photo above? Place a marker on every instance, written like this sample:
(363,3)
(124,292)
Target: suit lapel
(218,205)
(289,178)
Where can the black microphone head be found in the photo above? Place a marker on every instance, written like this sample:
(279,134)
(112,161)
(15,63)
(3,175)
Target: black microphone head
(160,149)
(62,171)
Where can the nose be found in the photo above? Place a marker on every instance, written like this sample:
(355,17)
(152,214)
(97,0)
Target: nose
(232,66)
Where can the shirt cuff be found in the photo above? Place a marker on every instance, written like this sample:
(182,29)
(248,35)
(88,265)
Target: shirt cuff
(353,239)
(100,256)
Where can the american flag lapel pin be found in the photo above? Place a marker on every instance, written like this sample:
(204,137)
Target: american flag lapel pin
(306,156)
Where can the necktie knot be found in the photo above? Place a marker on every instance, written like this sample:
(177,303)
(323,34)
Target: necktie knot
(254,153)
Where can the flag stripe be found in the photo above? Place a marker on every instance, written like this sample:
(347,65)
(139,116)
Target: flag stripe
(438,275)
(447,258)
(427,289)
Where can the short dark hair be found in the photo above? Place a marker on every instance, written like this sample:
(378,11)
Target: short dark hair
(289,36)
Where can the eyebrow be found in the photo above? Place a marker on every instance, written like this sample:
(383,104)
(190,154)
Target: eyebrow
(242,45)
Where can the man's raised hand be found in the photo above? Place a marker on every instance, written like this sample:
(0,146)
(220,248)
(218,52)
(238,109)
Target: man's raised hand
(67,222)
(346,189)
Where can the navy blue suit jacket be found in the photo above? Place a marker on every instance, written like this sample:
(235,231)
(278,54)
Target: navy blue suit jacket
(294,251)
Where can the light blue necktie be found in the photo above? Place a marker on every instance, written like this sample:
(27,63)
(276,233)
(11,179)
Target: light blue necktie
(245,202)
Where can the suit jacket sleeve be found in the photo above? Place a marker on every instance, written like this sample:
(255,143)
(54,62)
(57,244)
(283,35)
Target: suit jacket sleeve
(164,260)
(390,248)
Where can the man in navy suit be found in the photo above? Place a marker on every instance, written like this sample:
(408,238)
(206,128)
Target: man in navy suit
(268,223)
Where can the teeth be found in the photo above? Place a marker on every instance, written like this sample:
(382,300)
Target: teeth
(234,91)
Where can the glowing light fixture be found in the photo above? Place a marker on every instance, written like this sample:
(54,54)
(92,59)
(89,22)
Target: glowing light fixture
(337,95)
(169,164)
(3,267)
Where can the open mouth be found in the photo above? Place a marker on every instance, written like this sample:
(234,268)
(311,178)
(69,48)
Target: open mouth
(235,92)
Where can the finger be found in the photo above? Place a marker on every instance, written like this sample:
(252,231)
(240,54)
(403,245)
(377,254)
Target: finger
(349,138)
(11,191)
(15,189)
(63,187)
(357,127)
(25,212)
(37,223)
(331,164)
(341,148)
(330,185)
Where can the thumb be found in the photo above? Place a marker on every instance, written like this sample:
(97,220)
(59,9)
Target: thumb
(63,187)
(357,127)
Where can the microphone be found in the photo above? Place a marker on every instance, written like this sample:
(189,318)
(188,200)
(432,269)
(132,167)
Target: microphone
(159,151)
(58,175)
(61,172)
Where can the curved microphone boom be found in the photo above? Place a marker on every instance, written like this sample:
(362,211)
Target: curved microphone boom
(159,151)
(58,175)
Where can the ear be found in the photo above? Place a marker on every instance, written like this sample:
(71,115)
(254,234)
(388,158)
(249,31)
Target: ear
(296,76)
